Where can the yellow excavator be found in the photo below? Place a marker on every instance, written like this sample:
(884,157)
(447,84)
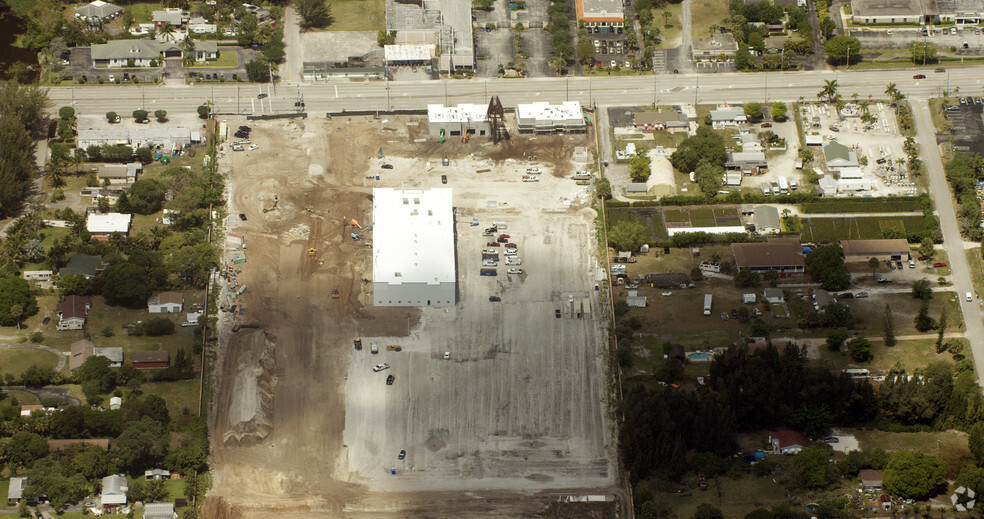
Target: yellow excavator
(312,251)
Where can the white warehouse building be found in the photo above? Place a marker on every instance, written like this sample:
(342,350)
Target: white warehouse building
(413,254)
(566,117)
(455,120)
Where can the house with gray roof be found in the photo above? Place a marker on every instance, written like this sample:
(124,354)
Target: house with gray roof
(172,16)
(717,47)
(728,117)
(98,11)
(114,489)
(83,264)
(119,53)
(159,511)
(767,220)
(839,156)
(15,490)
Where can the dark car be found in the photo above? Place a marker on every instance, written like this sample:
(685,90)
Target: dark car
(403,454)
(495,298)
(766,125)
(261,96)
(387,166)
(242,216)
(919,76)
(129,325)
(831,439)
(444,179)
(245,128)
(358,344)
(884,280)
(734,313)
(846,295)
(389,380)
(557,313)
(46,320)
(500,239)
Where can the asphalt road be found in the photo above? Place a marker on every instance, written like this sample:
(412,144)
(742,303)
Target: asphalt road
(952,240)
(616,90)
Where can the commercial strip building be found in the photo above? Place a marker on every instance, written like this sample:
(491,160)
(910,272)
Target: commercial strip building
(413,253)
(600,13)
(719,47)
(137,137)
(140,53)
(409,55)
(448,21)
(784,255)
(542,118)
(455,120)
(874,12)
(887,249)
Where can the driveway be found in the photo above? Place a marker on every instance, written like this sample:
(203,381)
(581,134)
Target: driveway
(294,62)
(58,393)
(953,242)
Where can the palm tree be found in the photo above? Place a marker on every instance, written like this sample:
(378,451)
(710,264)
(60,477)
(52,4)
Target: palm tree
(158,233)
(166,30)
(188,43)
(873,263)
(891,90)
(829,90)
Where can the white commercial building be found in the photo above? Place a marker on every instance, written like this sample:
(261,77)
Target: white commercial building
(409,54)
(137,137)
(413,254)
(455,120)
(103,225)
(544,117)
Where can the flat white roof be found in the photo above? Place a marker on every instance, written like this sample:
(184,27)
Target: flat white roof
(546,111)
(108,223)
(412,236)
(409,52)
(454,114)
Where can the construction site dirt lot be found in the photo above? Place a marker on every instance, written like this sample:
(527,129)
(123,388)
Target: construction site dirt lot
(515,418)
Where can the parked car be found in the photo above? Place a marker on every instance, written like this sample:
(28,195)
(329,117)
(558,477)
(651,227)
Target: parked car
(919,76)
(254,147)
(403,454)
(242,216)
(514,271)
(939,264)
(236,147)
(766,125)
(245,128)
(387,166)
(831,439)
(261,96)
(379,367)
(112,78)
(861,295)
(389,380)
(130,325)
(912,264)
(444,179)
(46,320)
(495,299)
(447,355)
(557,313)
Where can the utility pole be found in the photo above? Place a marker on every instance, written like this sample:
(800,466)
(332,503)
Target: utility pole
(696,91)
(445,92)
(237,99)
(143,98)
(654,89)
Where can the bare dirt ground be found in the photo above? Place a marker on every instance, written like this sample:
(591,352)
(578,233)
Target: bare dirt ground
(296,429)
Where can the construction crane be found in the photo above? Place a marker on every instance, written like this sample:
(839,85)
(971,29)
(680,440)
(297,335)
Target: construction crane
(474,221)
(355,233)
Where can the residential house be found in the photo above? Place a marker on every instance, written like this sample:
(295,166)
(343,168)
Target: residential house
(102,226)
(774,296)
(119,173)
(165,302)
(157,474)
(719,47)
(114,491)
(150,359)
(98,12)
(668,120)
(767,220)
(15,490)
(822,298)
(72,312)
(113,353)
(81,350)
(668,280)
(140,53)
(828,186)
(171,16)
(159,511)
(199,25)
(60,445)
(788,441)
(870,479)
(782,254)
(883,250)
(87,265)
(725,117)
(750,142)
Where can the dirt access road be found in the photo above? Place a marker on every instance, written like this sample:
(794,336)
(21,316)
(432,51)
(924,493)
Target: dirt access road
(296,429)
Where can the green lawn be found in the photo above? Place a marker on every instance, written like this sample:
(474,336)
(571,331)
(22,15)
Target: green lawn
(16,360)
(225,60)
(704,14)
(179,395)
(913,354)
(735,497)
(358,15)
(671,36)
(143,13)
(928,442)
(862,206)
(861,228)
(23,398)
(976,270)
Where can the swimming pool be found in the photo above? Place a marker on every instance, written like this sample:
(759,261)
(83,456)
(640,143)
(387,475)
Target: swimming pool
(699,356)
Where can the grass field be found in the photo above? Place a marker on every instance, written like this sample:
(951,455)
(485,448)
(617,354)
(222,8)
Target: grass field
(16,360)
(670,37)
(704,14)
(143,13)
(976,270)
(928,442)
(912,354)
(179,395)
(225,60)
(735,497)
(862,206)
(358,15)
(23,398)
(861,228)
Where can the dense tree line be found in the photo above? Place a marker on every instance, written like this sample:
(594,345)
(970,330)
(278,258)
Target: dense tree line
(23,116)
(963,172)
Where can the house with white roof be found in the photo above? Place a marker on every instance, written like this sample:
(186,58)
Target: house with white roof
(98,11)
(101,226)
(728,117)
(114,489)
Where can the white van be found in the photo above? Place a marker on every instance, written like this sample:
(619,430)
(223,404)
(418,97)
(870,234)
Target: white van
(970,297)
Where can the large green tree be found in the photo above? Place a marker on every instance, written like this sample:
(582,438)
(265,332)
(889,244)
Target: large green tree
(95,376)
(628,235)
(15,292)
(314,13)
(24,448)
(125,284)
(841,48)
(146,196)
(912,474)
(826,265)
(704,145)
(258,71)
(142,444)
(812,467)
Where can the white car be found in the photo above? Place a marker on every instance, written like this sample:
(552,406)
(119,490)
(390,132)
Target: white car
(112,78)
(531,178)
(511,253)
(236,147)
(511,249)
(514,261)
(254,147)
(379,367)
(490,251)
(490,263)
(244,141)
(514,271)
(447,355)
(614,64)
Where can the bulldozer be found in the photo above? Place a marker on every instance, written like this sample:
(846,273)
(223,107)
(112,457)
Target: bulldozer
(312,251)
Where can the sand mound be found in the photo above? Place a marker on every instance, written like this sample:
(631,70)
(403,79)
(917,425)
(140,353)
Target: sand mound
(251,407)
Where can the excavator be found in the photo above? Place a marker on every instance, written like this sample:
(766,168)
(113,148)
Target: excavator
(442,136)
(312,251)
(358,229)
